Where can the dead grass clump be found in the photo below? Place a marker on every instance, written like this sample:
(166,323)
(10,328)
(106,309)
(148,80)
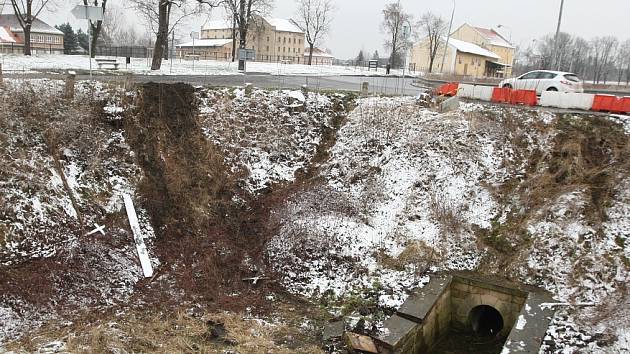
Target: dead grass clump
(589,153)
(417,255)
(178,333)
(446,213)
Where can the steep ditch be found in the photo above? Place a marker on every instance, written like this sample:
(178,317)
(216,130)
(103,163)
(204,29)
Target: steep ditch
(186,187)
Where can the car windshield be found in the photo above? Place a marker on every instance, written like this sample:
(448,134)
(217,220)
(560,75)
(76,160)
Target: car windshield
(572,77)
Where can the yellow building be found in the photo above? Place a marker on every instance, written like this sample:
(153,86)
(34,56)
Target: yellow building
(493,41)
(462,58)
(273,39)
(471,51)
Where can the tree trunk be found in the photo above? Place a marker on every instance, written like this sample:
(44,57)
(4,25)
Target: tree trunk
(310,53)
(96,31)
(161,40)
(242,31)
(234,39)
(27,39)
(431,60)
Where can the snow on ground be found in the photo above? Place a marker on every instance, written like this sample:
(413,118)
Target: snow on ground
(408,190)
(39,221)
(398,179)
(55,63)
(268,134)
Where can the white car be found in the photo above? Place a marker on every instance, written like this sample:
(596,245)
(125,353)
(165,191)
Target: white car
(545,80)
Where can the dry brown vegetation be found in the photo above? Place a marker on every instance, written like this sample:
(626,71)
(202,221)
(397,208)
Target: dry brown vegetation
(582,153)
(183,331)
(186,185)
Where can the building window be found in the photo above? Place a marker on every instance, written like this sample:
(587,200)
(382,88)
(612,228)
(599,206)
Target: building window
(267,48)
(267,38)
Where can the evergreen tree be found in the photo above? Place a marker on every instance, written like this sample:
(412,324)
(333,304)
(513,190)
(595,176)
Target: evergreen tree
(361,57)
(83,39)
(375,56)
(70,42)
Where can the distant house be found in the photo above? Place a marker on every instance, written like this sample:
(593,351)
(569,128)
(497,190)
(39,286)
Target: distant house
(492,41)
(45,39)
(472,51)
(273,39)
(212,49)
(320,57)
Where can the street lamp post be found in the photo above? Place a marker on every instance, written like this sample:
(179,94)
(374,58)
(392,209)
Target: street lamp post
(557,39)
(448,37)
(193,35)
(406,33)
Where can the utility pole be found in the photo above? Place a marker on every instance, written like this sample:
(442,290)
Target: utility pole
(448,37)
(557,39)
(172,49)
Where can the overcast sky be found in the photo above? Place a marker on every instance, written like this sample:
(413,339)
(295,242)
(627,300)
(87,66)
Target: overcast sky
(357,22)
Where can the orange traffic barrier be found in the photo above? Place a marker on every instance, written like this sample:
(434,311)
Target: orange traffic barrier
(604,103)
(621,105)
(449,89)
(501,95)
(526,97)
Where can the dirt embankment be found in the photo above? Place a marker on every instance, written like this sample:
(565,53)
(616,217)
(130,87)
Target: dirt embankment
(186,187)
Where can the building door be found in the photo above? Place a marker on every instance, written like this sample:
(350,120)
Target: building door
(465,69)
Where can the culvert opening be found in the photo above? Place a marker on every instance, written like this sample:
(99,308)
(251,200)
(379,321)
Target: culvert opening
(485,321)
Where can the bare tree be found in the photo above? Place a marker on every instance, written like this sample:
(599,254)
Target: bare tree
(622,61)
(26,12)
(95,27)
(603,54)
(244,13)
(625,65)
(162,16)
(394,19)
(314,18)
(433,28)
(580,56)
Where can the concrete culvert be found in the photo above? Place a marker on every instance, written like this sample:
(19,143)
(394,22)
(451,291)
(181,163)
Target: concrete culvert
(485,321)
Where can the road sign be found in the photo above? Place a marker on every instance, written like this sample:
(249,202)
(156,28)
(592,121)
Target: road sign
(246,54)
(82,12)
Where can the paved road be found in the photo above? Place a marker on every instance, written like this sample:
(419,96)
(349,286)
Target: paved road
(377,84)
(384,85)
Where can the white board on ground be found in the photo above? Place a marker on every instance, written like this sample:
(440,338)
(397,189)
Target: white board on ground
(143,254)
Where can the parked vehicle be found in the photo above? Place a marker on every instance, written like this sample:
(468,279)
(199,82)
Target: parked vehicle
(545,80)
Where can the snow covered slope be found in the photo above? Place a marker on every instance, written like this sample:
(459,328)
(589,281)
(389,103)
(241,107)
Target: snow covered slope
(499,190)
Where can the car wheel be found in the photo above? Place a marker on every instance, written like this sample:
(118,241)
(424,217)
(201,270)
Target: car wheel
(507,86)
(553,89)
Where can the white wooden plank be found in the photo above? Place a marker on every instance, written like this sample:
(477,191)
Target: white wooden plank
(143,254)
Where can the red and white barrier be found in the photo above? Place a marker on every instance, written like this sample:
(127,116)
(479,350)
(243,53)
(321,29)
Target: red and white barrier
(583,101)
(449,89)
(482,93)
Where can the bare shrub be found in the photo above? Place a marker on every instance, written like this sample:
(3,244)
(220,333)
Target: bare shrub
(417,255)
(448,214)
